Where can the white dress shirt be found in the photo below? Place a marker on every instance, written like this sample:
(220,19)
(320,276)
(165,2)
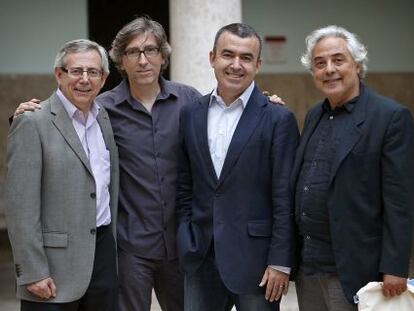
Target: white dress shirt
(222,121)
(90,135)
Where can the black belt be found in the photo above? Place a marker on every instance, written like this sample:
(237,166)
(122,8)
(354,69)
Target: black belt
(102,229)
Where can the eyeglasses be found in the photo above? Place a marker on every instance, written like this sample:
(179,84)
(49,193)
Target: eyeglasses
(77,72)
(149,52)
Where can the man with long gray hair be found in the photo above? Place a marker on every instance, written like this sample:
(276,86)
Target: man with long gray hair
(62,224)
(352,178)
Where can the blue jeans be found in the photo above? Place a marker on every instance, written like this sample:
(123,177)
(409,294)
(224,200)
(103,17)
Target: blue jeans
(205,291)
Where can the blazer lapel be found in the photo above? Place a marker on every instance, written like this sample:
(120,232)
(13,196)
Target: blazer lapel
(352,134)
(200,124)
(245,128)
(307,133)
(63,123)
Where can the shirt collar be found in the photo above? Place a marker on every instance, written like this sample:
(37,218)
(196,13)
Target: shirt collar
(72,109)
(166,90)
(348,106)
(243,98)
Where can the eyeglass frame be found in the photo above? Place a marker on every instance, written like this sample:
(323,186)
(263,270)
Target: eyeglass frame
(69,72)
(148,49)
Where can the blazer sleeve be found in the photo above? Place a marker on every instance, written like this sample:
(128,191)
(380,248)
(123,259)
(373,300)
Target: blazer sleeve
(23,200)
(398,195)
(285,141)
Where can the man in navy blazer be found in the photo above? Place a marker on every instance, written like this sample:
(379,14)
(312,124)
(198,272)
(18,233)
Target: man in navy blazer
(234,211)
(353,176)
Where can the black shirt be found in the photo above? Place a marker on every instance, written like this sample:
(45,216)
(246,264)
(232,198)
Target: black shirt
(312,189)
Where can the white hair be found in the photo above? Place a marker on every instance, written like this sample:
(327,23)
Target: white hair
(357,50)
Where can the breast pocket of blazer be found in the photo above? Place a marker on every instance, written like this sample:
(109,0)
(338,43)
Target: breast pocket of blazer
(55,239)
(259,229)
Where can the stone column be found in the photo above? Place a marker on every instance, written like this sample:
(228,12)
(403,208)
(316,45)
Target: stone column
(193,25)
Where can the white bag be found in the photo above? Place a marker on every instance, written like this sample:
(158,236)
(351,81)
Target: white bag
(371,299)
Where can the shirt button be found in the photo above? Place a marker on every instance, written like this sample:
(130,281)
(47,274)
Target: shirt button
(303,213)
(306,188)
(307,237)
(331,117)
(93,231)
(93,195)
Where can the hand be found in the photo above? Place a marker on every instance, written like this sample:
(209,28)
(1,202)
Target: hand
(393,285)
(44,289)
(274,98)
(31,105)
(277,284)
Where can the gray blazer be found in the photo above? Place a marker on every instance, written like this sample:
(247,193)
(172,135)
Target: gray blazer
(51,200)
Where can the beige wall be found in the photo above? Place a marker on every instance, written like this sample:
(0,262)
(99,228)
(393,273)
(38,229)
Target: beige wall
(296,89)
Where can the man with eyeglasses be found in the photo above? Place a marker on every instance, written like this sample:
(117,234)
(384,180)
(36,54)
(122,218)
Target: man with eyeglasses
(65,160)
(144,110)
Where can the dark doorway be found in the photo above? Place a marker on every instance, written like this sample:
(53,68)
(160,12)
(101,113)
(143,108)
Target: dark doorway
(106,18)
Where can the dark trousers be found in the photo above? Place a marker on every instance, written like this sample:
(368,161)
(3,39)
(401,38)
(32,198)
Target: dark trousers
(138,276)
(321,293)
(102,290)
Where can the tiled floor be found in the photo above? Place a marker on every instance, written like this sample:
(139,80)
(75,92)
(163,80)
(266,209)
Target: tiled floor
(9,303)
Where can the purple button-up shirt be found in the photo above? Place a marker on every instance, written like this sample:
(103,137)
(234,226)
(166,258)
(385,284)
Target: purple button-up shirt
(147,145)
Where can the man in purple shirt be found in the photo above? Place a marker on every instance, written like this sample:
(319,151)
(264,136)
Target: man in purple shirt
(144,110)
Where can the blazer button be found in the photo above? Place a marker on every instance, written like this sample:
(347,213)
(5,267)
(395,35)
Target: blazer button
(93,231)
(93,195)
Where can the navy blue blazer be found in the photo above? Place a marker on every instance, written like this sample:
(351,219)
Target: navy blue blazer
(248,209)
(371,197)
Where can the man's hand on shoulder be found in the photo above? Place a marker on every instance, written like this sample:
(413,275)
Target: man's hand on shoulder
(30,105)
(277,283)
(274,99)
(393,285)
(44,289)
